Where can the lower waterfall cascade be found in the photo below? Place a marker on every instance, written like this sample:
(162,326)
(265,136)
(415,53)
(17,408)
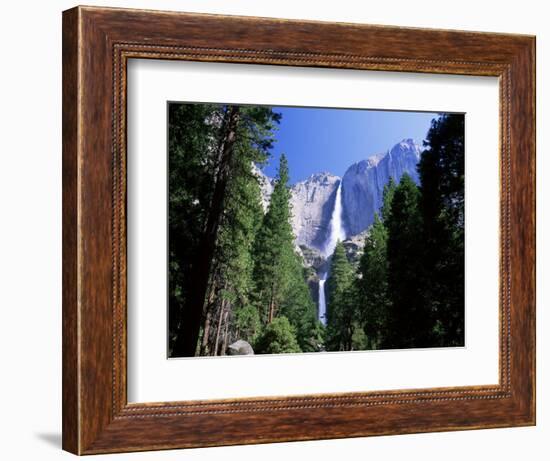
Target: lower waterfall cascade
(336,234)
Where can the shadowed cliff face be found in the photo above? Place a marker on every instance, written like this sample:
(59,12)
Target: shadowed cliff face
(363,183)
(362,189)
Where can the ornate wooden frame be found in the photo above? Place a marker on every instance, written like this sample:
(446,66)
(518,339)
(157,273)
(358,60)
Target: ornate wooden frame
(97,43)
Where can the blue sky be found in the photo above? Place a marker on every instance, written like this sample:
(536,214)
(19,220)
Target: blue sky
(316,139)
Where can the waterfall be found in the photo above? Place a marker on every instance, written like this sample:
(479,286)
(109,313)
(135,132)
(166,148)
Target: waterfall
(336,233)
(322,302)
(336,226)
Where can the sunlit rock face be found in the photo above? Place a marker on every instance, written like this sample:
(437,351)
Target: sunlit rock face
(312,204)
(362,187)
(266,186)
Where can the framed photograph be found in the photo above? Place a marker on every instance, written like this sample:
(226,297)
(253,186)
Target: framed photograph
(282,230)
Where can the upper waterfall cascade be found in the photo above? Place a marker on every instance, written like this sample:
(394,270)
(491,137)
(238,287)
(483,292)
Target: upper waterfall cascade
(336,230)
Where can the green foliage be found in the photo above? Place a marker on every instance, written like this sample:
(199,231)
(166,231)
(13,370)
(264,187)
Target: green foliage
(409,323)
(277,337)
(190,172)
(300,309)
(241,219)
(341,306)
(280,279)
(442,206)
(359,340)
(373,299)
(411,275)
(372,285)
(255,274)
(247,323)
(389,191)
(274,249)
(197,134)
(243,212)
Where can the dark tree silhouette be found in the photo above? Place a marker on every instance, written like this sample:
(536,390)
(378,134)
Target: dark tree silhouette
(442,207)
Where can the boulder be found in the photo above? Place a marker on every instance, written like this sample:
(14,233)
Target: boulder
(240,347)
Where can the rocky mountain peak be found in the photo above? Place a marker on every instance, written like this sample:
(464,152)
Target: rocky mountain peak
(321,178)
(363,183)
(406,147)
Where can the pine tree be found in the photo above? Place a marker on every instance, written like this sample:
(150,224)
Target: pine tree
(442,206)
(372,285)
(372,282)
(230,310)
(341,306)
(298,306)
(232,281)
(192,316)
(191,166)
(387,198)
(211,266)
(280,282)
(274,249)
(410,323)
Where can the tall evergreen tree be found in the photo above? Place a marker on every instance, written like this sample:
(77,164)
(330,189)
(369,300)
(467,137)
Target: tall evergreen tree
(192,315)
(232,281)
(229,310)
(234,138)
(281,288)
(372,285)
(387,198)
(274,249)
(341,306)
(410,323)
(442,206)
(191,167)
(298,306)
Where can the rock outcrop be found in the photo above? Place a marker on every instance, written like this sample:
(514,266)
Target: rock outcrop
(354,246)
(312,203)
(266,186)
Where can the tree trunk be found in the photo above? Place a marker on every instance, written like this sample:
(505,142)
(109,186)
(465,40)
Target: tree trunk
(192,316)
(206,334)
(271,307)
(219,328)
(208,320)
(225,332)
(271,312)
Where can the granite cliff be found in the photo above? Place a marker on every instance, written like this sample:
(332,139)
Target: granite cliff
(362,186)
(363,183)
